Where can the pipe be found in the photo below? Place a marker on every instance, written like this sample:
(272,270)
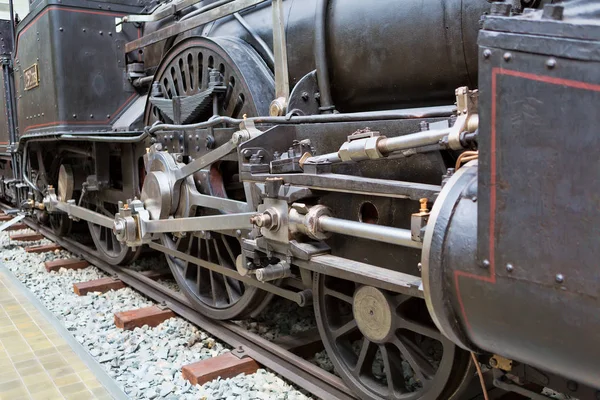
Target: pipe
(12,23)
(412,113)
(24,171)
(380,233)
(320,52)
(139,82)
(268,53)
(204,9)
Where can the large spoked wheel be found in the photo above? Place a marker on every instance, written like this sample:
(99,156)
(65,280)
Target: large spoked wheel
(247,88)
(213,294)
(384,345)
(109,248)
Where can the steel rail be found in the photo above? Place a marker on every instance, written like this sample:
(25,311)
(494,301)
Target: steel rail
(292,367)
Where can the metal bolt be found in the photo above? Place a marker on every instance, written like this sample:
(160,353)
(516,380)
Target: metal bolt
(493,362)
(572,386)
(560,278)
(509,267)
(305,96)
(238,233)
(474,199)
(507,56)
(420,266)
(485,264)
(487,53)
(551,63)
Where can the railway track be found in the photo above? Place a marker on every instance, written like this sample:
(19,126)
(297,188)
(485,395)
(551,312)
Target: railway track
(273,356)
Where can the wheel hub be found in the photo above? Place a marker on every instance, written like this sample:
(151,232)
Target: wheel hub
(373,313)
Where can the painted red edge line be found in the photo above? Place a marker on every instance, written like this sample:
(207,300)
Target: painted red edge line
(539,78)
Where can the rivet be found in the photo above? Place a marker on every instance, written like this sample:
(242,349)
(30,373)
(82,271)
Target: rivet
(420,266)
(509,267)
(560,278)
(485,264)
(101,33)
(74,115)
(487,53)
(551,63)
(83,29)
(91,115)
(109,33)
(108,116)
(507,56)
(572,386)
(60,29)
(474,199)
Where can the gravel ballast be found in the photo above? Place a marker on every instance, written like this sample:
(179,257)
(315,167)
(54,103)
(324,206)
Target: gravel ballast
(146,362)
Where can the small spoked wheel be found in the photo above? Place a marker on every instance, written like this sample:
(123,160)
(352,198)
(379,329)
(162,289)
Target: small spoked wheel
(384,345)
(213,294)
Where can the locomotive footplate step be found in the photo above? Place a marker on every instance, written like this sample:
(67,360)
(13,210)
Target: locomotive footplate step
(44,248)
(26,237)
(224,366)
(151,316)
(39,358)
(98,285)
(69,263)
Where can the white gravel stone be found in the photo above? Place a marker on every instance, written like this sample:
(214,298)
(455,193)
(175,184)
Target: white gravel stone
(145,362)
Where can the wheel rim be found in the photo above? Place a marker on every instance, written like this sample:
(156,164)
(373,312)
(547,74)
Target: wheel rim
(213,294)
(110,249)
(387,349)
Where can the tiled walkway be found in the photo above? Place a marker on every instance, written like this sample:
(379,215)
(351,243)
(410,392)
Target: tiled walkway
(36,361)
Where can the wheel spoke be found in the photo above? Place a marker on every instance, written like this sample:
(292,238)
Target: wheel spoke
(393,370)
(228,248)
(365,357)
(419,327)
(422,367)
(338,295)
(345,329)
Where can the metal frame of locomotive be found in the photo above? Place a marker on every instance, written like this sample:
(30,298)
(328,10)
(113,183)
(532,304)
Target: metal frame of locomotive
(173,126)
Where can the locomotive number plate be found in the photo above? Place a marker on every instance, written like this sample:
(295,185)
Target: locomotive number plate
(31,77)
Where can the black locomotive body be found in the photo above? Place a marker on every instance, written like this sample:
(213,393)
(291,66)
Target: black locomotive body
(419,172)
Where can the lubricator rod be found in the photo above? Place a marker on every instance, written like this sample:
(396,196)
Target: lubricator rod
(380,146)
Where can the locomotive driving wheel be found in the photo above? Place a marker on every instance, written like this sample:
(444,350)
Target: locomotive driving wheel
(384,345)
(245,87)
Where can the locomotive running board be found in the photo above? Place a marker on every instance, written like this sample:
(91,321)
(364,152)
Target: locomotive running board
(10,223)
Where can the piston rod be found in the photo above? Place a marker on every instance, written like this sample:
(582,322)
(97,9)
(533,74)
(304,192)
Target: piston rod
(386,234)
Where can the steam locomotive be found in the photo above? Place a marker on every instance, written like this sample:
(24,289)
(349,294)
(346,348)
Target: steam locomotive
(421,173)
